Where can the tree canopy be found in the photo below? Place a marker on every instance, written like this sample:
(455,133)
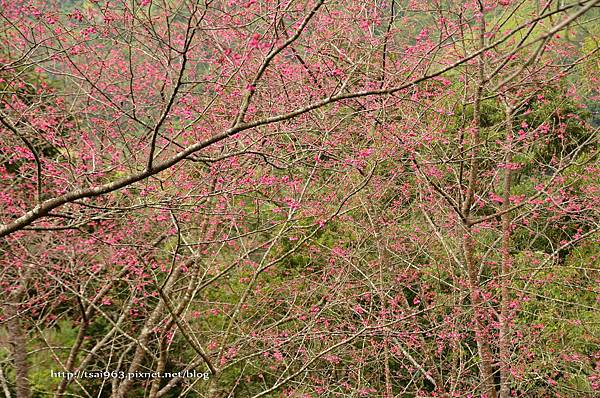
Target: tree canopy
(299,198)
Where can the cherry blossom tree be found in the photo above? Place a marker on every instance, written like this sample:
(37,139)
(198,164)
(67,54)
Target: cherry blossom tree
(299,198)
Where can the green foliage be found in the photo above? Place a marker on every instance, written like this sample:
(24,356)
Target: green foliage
(562,301)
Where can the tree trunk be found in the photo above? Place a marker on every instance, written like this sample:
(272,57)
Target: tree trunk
(468,242)
(505,280)
(18,343)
